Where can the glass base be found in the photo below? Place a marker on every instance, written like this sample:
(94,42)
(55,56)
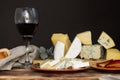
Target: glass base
(27,65)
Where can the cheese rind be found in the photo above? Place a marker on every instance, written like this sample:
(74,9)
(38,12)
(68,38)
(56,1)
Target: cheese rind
(92,52)
(61,37)
(59,50)
(106,41)
(85,37)
(112,53)
(74,49)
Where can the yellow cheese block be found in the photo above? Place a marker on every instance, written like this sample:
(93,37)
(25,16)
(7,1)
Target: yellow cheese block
(112,54)
(85,37)
(63,38)
(106,41)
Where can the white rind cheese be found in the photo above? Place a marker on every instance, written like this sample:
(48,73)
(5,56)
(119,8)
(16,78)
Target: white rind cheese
(85,37)
(59,50)
(74,49)
(92,52)
(106,41)
(79,64)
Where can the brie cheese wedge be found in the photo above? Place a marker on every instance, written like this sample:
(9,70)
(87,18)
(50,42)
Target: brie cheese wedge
(59,50)
(74,49)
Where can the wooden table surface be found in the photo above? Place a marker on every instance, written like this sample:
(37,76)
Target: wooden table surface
(22,74)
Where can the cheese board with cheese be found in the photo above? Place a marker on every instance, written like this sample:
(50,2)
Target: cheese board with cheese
(64,65)
(77,55)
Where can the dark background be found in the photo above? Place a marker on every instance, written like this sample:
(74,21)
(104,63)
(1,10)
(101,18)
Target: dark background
(62,16)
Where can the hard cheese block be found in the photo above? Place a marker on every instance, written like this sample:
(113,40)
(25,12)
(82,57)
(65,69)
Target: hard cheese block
(112,54)
(63,38)
(74,49)
(59,50)
(106,41)
(85,37)
(92,52)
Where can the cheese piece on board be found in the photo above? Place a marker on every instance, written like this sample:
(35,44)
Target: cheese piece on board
(112,54)
(63,38)
(85,37)
(45,64)
(92,52)
(106,41)
(60,65)
(59,50)
(74,49)
(52,63)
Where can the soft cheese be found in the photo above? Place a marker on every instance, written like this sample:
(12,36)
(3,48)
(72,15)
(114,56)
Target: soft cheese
(106,41)
(63,38)
(112,53)
(74,49)
(85,37)
(64,63)
(92,52)
(59,50)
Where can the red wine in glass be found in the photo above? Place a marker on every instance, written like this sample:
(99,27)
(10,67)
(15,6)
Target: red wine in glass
(27,30)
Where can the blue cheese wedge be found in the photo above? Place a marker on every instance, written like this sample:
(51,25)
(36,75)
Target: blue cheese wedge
(59,50)
(92,52)
(106,41)
(74,49)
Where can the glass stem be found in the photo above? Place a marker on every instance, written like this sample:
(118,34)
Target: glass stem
(27,52)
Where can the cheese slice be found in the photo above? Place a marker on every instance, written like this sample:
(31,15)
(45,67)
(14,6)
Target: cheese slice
(106,41)
(60,65)
(52,63)
(112,54)
(63,38)
(59,50)
(79,64)
(74,49)
(45,64)
(85,37)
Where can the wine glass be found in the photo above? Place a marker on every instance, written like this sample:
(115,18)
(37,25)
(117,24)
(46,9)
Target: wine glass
(26,20)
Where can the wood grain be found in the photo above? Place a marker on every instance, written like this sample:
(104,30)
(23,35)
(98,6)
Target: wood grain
(22,74)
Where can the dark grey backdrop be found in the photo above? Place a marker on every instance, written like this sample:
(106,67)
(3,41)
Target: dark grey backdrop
(65,16)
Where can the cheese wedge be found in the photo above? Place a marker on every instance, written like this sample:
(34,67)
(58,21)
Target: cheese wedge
(106,41)
(63,38)
(59,50)
(74,49)
(112,54)
(85,37)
